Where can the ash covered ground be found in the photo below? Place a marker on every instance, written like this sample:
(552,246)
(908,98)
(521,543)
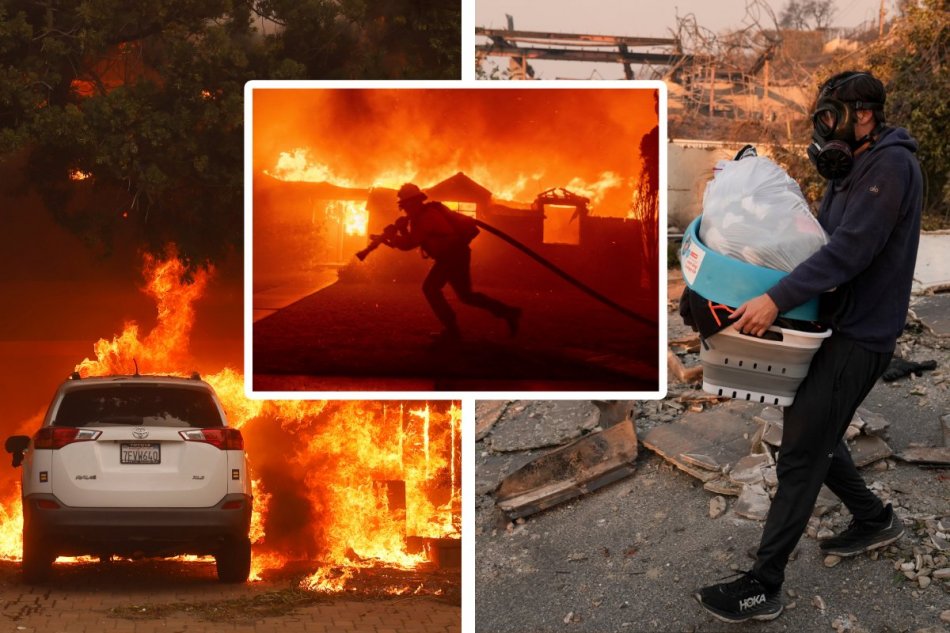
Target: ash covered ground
(171,595)
(629,556)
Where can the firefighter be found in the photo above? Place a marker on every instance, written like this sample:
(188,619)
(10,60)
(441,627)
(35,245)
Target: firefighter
(444,236)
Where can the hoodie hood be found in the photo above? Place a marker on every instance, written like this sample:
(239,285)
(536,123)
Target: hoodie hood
(890,139)
(895,136)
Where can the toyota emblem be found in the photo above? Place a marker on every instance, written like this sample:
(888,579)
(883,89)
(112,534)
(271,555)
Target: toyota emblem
(140,433)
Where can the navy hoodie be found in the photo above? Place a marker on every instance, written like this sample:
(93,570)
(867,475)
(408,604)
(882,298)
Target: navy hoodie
(873,219)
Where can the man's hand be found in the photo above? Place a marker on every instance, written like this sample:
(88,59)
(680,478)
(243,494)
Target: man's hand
(755,315)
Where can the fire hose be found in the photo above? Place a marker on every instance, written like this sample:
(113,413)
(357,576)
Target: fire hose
(580,285)
(378,240)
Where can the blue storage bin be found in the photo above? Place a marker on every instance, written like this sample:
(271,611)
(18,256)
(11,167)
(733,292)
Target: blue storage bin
(730,281)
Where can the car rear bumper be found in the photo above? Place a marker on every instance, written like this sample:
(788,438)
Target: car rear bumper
(75,530)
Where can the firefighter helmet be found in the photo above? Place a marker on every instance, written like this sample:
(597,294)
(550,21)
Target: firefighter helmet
(408,192)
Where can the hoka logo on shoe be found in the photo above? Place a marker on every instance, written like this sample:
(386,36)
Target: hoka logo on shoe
(751,602)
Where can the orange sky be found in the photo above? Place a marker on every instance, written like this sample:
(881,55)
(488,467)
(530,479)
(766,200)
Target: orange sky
(517,142)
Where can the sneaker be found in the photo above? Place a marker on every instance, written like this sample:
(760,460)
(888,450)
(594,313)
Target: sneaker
(863,537)
(740,600)
(513,319)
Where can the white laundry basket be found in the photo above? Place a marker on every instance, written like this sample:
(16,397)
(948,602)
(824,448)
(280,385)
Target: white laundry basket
(764,370)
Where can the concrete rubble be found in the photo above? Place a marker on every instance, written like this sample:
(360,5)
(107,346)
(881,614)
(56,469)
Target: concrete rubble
(720,436)
(730,449)
(549,423)
(487,413)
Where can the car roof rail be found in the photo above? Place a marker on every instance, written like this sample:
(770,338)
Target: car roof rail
(195,375)
(75,376)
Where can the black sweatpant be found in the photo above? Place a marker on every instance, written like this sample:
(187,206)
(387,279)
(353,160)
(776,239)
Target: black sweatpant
(455,269)
(813,450)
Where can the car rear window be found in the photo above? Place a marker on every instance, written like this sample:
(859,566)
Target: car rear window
(139,405)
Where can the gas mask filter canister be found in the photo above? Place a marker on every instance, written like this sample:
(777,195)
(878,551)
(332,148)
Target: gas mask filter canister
(833,141)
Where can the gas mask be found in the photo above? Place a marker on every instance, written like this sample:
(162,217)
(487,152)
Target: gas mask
(833,141)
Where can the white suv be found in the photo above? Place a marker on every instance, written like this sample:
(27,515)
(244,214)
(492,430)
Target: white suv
(134,466)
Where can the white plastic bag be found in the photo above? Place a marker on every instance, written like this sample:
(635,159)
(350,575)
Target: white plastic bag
(755,212)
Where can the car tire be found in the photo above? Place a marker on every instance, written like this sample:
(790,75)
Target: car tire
(233,560)
(38,559)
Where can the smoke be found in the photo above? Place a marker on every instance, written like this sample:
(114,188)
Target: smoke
(290,525)
(510,140)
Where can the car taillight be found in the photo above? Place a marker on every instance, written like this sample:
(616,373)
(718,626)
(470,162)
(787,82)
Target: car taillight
(224,438)
(59,436)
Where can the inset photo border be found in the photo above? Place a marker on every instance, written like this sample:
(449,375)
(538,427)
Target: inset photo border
(443,239)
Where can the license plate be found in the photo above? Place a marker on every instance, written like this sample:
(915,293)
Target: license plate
(140,453)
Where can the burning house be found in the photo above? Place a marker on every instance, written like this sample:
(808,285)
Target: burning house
(312,224)
(327,224)
(469,148)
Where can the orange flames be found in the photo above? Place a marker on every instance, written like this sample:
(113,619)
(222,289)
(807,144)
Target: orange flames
(515,142)
(298,165)
(352,216)
(374,474)
(295,166)
(164,348)
(11,525)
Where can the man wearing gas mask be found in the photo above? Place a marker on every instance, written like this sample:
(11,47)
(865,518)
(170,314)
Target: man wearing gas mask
(871,211)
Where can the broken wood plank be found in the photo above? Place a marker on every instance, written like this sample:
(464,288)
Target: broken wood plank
(578,468)
(685,395)
(614,411)
(557,493)
(695,395)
